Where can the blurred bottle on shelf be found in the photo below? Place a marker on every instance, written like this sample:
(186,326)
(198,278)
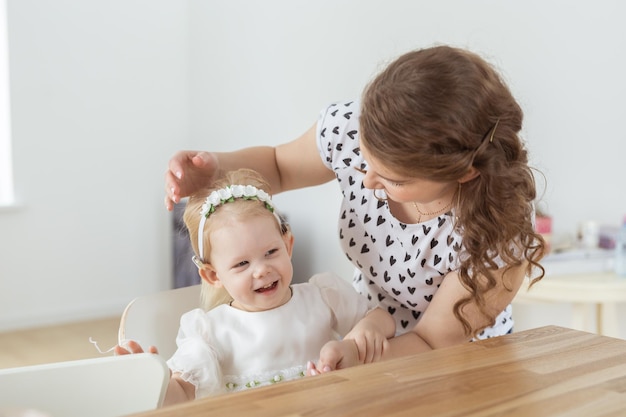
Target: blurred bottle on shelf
(620,250)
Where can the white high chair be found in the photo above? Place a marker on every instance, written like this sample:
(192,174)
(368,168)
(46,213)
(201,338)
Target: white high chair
(154,319)
(108,386)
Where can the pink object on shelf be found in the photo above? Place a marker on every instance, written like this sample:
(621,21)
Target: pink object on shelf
(543,226)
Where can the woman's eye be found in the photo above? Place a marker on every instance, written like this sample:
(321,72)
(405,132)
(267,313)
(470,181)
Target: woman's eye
(395,183)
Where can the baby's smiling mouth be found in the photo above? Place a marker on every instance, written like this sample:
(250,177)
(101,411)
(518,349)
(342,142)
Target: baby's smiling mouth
(267,287)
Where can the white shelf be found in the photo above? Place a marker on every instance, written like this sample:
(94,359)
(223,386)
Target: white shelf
(579,261)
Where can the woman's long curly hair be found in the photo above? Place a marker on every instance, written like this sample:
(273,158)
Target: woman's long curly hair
(436,112)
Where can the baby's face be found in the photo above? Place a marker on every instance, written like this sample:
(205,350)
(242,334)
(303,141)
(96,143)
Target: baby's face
(252,260)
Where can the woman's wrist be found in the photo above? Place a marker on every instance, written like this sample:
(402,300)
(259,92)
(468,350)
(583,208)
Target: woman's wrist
(357,358)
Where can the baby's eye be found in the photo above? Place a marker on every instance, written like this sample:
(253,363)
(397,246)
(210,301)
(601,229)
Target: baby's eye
(240,264)
(271,252)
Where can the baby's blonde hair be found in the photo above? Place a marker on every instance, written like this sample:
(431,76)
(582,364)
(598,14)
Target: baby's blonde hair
(239,208)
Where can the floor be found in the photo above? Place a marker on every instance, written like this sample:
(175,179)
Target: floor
(57,343)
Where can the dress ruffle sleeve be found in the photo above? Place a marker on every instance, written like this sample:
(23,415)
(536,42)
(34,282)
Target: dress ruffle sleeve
(195,358)
(347,306)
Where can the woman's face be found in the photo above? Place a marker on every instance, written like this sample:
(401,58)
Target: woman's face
(252,260)
(402,188)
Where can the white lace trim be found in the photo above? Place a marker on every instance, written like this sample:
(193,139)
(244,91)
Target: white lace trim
(243,382)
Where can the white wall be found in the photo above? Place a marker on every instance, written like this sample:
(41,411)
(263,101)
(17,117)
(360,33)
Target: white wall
(104,92)
(99,103)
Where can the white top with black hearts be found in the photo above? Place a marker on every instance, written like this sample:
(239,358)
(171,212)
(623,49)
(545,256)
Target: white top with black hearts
(399,265)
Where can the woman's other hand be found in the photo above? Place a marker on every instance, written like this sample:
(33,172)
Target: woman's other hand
(336,354)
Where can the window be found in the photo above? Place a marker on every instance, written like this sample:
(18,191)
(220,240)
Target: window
(6,167)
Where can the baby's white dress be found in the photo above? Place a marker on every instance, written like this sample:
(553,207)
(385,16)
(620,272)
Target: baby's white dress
(226,349)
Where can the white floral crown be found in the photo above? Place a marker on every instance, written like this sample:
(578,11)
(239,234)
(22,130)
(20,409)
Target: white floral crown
(230,193)
(225,195)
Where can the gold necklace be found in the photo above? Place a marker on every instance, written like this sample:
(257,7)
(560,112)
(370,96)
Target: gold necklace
(432,213)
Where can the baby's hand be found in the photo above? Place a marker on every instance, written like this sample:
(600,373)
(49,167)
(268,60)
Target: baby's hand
(133,347)
(311,369)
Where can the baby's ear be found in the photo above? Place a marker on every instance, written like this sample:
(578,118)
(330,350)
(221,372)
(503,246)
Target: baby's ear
(288,239)
(207,273)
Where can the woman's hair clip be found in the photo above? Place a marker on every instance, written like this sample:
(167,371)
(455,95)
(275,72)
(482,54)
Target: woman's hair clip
(493,131)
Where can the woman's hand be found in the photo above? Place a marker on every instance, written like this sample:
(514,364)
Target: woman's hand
(371,335)
(336,354)
(370,342)
(188,172)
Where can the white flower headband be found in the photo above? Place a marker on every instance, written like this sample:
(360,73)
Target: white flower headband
(228,195)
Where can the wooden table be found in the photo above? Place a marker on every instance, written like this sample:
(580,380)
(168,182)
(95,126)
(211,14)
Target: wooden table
(546,371)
